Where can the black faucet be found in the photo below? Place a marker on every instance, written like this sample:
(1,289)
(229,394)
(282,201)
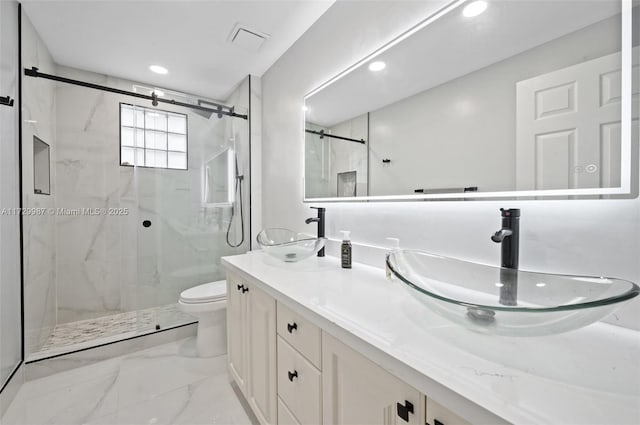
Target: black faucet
(509,237)
(320,220)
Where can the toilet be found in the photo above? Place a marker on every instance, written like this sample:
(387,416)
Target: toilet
(207,302)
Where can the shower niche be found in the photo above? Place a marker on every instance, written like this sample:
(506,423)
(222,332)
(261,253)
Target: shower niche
(41,167)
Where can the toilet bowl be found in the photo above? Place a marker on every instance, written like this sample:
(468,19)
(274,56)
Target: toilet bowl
(207,302)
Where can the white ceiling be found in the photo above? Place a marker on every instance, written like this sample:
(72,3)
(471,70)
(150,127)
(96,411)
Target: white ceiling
(189,38)
(451,47)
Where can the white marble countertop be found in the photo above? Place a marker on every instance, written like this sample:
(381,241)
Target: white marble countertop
(588,376)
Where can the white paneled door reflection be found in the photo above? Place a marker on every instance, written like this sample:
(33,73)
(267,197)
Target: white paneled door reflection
(568,126)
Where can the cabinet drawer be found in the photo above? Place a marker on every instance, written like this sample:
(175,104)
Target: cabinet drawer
(299,385)
(285,417)
(300,333)
(436,414)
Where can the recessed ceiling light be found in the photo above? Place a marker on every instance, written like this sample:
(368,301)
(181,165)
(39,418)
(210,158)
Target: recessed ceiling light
(305,108)
(159,69)
(541,284)
(474,8)
(377,66)
(158,93)
(499,285)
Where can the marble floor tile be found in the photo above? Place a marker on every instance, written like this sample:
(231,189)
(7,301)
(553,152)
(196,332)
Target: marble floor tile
(72,336)
(167,384)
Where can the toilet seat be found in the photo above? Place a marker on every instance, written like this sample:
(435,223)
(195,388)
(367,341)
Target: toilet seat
(206,293)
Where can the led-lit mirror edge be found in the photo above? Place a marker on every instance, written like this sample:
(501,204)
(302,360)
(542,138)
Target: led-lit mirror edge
(625,124)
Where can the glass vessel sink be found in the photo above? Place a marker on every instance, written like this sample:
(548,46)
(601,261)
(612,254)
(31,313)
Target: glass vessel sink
(504,301)
(289,246)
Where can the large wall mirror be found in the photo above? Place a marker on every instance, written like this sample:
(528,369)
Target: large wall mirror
(517,98)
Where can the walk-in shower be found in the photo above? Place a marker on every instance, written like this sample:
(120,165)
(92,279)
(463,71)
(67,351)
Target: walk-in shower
(139,208)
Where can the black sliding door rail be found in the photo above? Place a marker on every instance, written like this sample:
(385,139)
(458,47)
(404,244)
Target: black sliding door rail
(322,134)
(219,111)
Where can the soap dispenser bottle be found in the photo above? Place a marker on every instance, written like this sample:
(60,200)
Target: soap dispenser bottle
(345,250)
(394,246)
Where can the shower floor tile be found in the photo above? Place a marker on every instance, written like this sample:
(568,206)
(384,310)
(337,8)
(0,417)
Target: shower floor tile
(167,384)
(82,334)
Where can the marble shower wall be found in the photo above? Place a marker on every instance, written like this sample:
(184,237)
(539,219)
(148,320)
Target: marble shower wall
(110,263)
(39,233)
(95,253)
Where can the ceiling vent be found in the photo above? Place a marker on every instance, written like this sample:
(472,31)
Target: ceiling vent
(246,38)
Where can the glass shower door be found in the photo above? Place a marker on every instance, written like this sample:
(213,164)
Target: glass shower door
(188,206)
(10,287)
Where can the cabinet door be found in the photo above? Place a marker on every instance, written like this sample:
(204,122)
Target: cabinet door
(236,332)
(357,391)
(261,325)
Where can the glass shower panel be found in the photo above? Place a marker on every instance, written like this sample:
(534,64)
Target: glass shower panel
(10,287)
(181,234)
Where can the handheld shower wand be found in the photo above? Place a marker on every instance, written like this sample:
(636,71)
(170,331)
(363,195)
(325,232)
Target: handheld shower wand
(238,190)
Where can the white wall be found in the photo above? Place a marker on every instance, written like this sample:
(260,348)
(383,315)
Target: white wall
(599,237)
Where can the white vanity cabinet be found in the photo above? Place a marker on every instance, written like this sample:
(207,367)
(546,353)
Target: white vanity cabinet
(291,372)
(251,333)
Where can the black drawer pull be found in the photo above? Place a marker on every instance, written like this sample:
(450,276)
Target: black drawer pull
(240,287)
(292,327)
(245,289)
(292,375)
(403,411)
(437,422)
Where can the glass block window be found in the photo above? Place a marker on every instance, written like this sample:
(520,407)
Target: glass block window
(152,138)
